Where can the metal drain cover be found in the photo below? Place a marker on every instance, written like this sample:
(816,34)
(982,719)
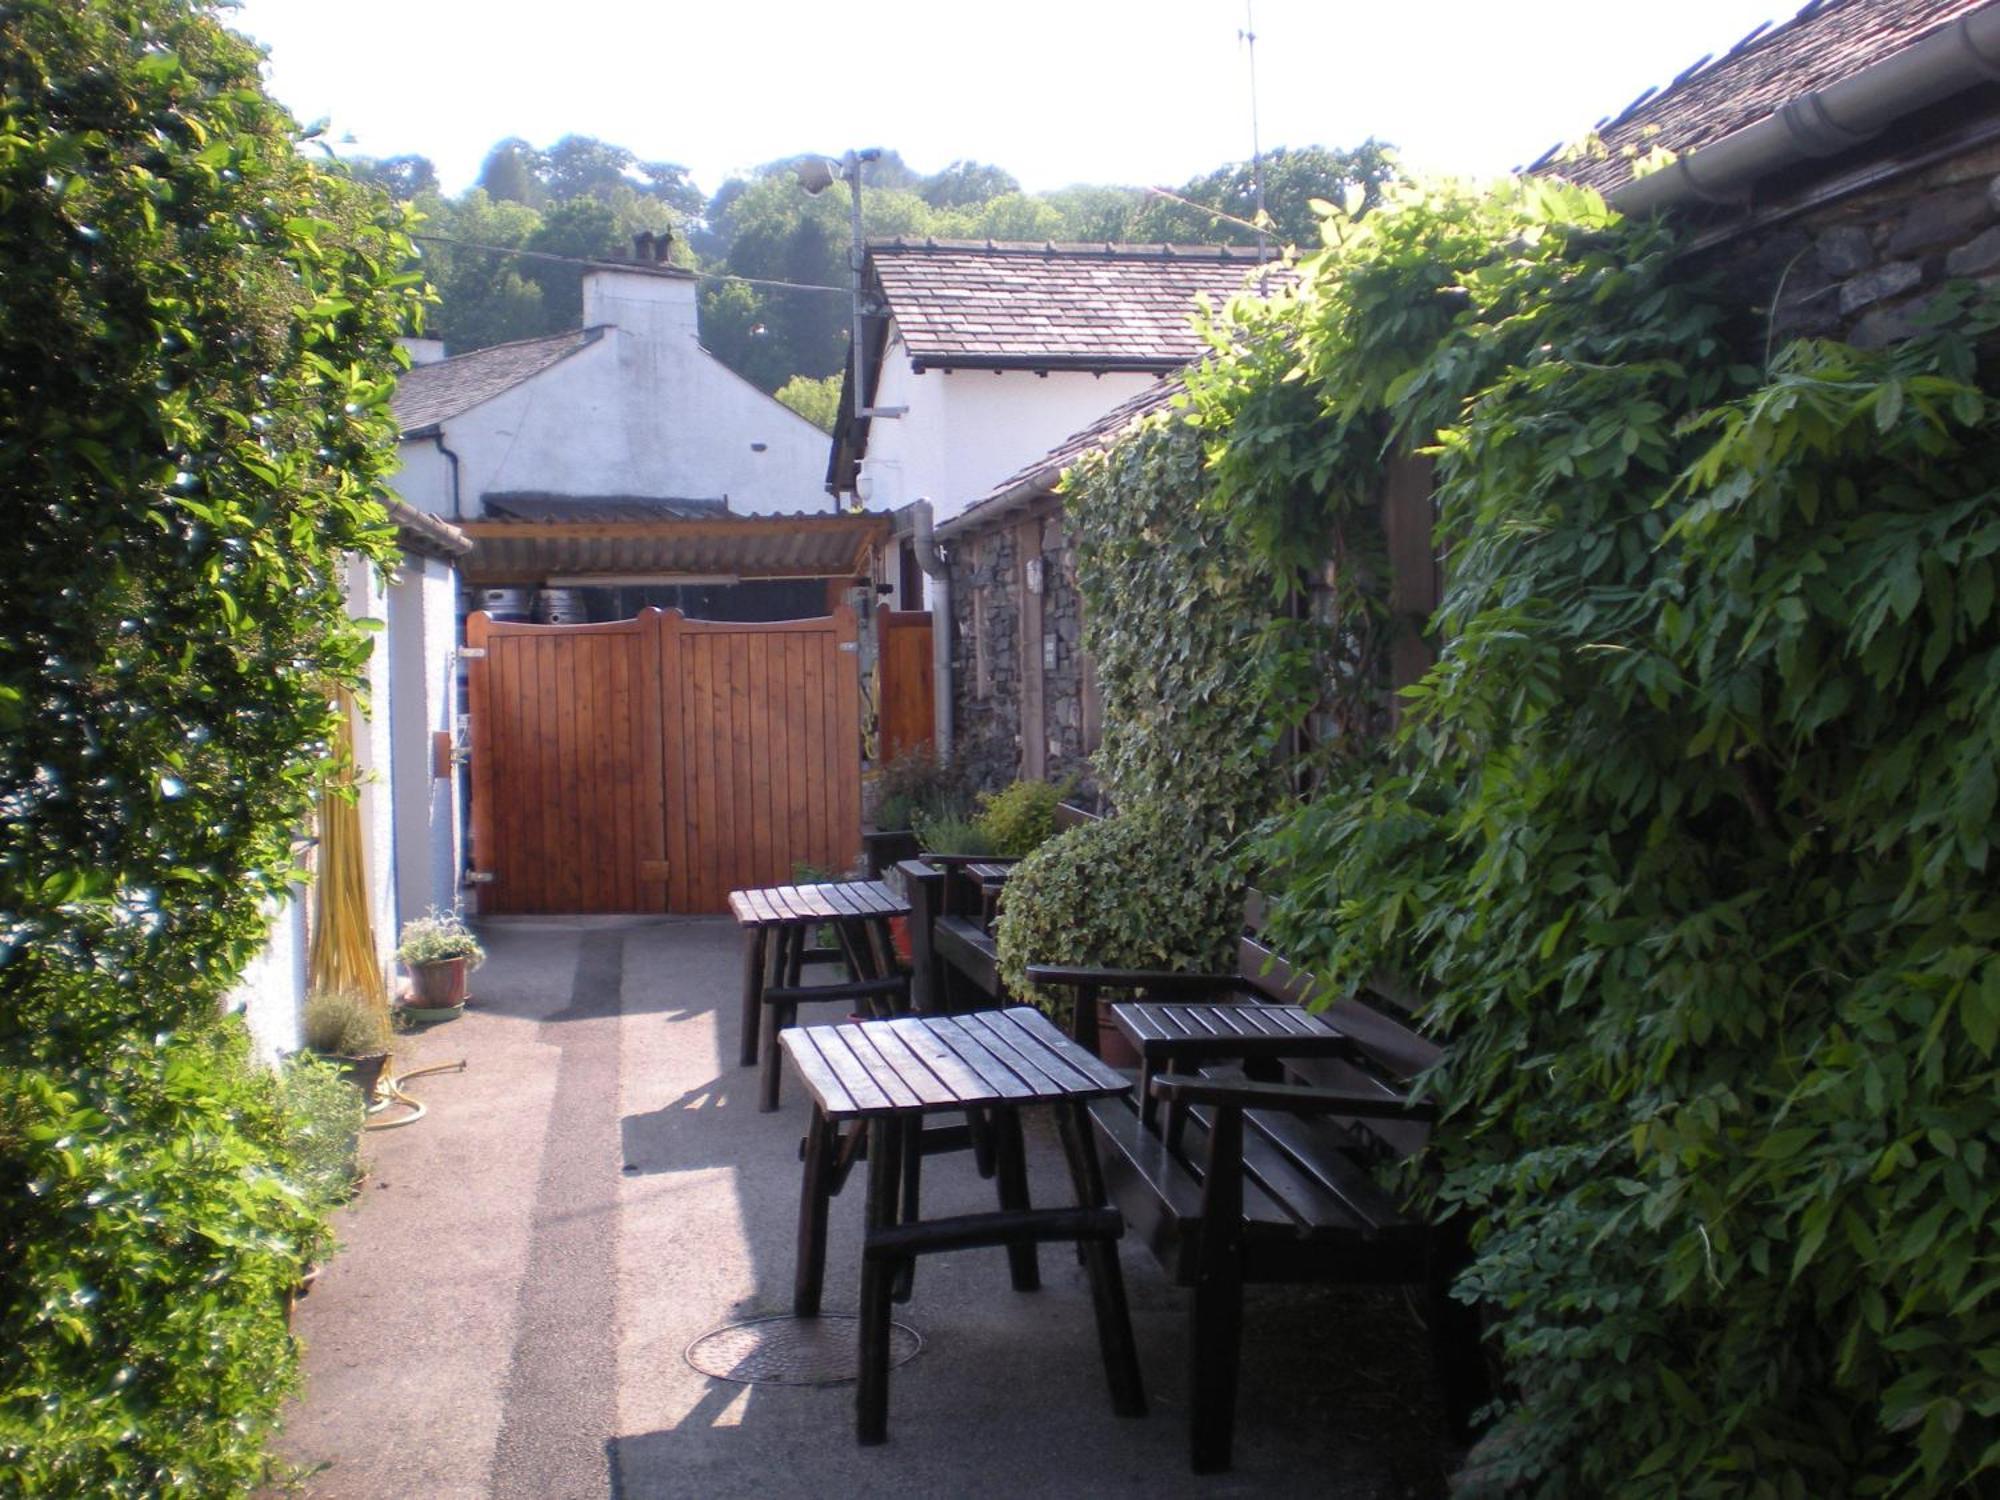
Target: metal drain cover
(790,1350)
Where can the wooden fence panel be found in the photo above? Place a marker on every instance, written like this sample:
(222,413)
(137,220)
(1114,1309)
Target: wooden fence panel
(657,764)
(905,688)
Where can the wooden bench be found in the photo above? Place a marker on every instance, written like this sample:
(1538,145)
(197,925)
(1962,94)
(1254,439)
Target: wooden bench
(1261,1169)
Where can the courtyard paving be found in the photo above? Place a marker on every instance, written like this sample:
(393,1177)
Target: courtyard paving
(525,1267)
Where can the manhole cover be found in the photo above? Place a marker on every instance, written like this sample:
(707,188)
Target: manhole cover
(789,1350)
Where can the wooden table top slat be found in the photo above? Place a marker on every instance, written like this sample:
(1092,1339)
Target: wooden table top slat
(925,1064)
(840,901)
(895,1054)
(1238,1030)
(1041,1031)
(906,1086)
(855,1078)
(818,1074)
(950,1069)
(1000,1078)
(1032,1062)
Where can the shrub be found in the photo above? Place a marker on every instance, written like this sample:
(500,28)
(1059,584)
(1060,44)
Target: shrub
(345,1023)
(151,1240)
(1144,889)
(954,834)
(196,326)
(438,936)
(324,1114)
(1018,818)
(916,785)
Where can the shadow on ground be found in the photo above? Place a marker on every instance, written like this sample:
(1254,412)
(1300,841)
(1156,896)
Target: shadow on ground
(598,1189)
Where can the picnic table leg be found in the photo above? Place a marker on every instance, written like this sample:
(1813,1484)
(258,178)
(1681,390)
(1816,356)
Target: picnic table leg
(814,1194)
(878,1273)
(1107,1280)
(913,1186)
(753,994)
(1011,1169)
(1215,1343)
(789,957)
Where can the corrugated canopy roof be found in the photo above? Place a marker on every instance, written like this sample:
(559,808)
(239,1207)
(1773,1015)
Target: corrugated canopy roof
(1827,41)
(795,546)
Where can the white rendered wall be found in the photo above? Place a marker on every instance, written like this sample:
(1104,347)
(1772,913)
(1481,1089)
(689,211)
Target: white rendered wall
(272,990)
(645,410)
(422,626)
(966,430)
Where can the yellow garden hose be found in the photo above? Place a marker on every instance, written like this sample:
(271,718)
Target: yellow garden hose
(393,1087)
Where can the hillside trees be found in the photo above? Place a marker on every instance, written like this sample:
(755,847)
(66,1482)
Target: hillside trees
(759,236)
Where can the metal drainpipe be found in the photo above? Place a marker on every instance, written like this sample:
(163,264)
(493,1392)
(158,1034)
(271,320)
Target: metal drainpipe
(933,563)
(452,459)
(1827,120)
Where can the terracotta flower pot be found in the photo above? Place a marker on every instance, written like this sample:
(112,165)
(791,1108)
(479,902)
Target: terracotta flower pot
(363,1072)
(440,984)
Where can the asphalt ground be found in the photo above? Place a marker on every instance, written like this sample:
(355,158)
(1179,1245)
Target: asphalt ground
(524,1268)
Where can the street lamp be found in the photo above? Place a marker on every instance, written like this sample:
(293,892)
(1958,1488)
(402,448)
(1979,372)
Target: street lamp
(816,174)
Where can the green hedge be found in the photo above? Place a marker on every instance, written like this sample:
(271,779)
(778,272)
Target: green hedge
(196,325)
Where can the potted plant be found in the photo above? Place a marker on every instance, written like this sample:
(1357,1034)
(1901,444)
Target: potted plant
(914,787)
(438,951)
(347,1028)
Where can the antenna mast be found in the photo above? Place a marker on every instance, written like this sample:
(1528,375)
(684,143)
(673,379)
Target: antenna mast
(1248,36)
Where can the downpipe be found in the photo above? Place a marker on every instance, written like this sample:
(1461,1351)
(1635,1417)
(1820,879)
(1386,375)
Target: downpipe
(931,560)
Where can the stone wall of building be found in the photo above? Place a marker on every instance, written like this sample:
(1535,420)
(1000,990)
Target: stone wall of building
(985,656)
(1865,268)
(989,583)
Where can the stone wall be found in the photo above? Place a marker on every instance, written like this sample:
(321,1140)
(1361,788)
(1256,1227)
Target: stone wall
(1864,268)
(988,587)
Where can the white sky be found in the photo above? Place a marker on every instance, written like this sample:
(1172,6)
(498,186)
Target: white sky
(1055,91)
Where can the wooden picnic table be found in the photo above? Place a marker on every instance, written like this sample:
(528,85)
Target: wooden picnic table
(884,1078)
(778,924)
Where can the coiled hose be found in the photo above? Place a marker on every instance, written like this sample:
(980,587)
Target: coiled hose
(393,1089)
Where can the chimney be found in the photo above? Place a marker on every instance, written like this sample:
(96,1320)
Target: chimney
(663,245)
(642,246)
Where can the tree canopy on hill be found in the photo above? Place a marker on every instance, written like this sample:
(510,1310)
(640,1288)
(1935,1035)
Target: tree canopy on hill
(773,304)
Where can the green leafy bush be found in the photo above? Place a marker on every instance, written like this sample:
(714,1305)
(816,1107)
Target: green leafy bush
(917,785)
(1688,834)
(1143,889)
(344,1023)
(954,834)
(197,330)
(324,1114)
(436,937)
(151,1242)
(1019,818)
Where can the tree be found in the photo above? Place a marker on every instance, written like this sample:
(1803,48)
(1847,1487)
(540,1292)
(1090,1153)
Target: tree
(512,173)
(485,299)
(966,184)
(1292,180)
(818,401)
(404,178)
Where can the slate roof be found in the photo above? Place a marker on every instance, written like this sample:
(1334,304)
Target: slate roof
(433,393)
(1039,478)
(1825,42)
(536,505)
(985,305)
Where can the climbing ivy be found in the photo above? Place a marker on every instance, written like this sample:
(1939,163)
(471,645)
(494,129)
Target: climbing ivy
(1202,666)
(1687,834)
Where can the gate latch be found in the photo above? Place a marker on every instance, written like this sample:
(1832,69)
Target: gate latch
(480,877)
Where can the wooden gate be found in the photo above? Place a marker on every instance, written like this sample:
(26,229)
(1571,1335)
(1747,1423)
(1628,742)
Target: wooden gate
(905,693)
(656,764)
